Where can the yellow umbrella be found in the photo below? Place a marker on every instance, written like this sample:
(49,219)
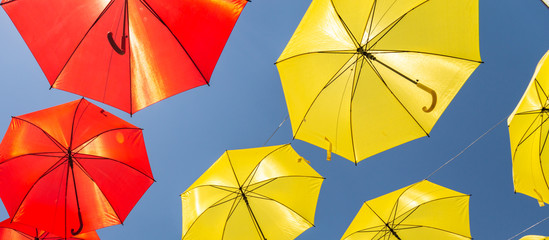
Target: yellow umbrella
(258,193)
(534,237)
(423,210)
(528,131)
(361,77)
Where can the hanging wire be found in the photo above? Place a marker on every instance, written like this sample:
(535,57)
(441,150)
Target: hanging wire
(465,149)
(280,125)
(528,228)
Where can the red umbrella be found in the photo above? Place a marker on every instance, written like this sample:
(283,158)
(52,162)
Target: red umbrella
(16,231)
(72,168)
(125,53)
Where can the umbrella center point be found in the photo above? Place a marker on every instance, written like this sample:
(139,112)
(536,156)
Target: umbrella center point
(362,51)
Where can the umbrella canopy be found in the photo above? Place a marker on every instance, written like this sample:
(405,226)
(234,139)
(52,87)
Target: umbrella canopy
(16,231)
(423,210)
(528,133)
(534,237)
(361,77)
(258,193)
(546,2)
(125,53)
(72,168)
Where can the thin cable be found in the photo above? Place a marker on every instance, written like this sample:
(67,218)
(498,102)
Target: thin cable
(280,125)
(528,228)
(465,149)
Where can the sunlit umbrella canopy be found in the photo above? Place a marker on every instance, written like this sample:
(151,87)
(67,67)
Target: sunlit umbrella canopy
(534,237)
(423,210)
(17,231)
(361,77)
(72,168)
(528,133)
(258,193)
(125,53)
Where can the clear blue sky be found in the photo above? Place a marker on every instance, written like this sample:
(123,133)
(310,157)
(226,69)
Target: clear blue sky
(185,134)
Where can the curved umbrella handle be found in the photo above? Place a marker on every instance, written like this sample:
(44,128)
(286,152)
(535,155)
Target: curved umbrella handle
(433,95)
(81,223)
(120,50)
(329,150)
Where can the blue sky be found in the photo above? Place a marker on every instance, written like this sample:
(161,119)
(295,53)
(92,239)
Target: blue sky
(245,103)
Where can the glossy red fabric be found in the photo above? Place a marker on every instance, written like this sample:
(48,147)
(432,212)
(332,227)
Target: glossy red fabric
(72,158)
(172,46)
(17,231)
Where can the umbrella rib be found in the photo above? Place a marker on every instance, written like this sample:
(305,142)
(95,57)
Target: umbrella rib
(151,10)
(4,3)
(394,23)
(91,178)
(392,93)
(80,147)
(252,174)
(536,111)
(232,169)
(82,40)
(542,91)
(539,157)
(51,169)
(381,51)
(355,41)
(409,212)
(395,206)
(319,51)
(58,144)
(524,136)
(231,211)
(264,182)
(371,20)
(114,160)
(73,126)
(41,154)
(330,80)
(271,199)
(219,202)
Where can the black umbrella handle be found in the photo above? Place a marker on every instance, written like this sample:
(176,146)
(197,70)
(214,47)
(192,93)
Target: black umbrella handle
(73,232)
(81,223)
(120,50)
(433,97)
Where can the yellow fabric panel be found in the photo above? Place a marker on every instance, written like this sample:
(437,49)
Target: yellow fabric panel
(528,131)
(319,30)
(302,87)
(284,162)
(276,221)
(201,228)
(445,27)
(448,213)
(285,190)
(275,196)
(218,174)
(239,224)
(444,75)
(423,210)
(198,200)
(534,237)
